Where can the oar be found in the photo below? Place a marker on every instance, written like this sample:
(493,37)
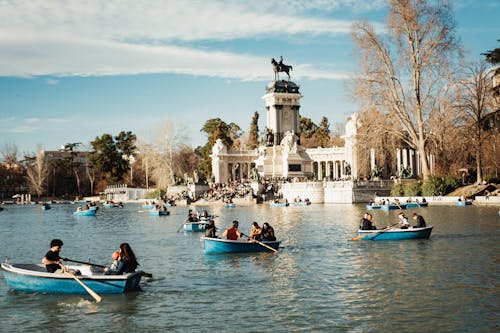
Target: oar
(185,221)
(260,243)
(381,231)
(148,275)
(90,291)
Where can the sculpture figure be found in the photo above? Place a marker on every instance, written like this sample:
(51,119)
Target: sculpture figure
(280,67)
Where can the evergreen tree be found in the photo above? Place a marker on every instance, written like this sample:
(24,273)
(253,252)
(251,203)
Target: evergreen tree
(323,133)
(253,136)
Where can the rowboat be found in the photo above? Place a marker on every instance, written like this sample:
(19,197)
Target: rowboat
(416,204)
(195,226)
(463,203)
(392,206)
(279,204)
(301,203)
(35,278)
(396,234)
(46,207)
(112,205)
(219,245)
(86,212)
(159,212)
(230,205)
(372,207)
(148,207)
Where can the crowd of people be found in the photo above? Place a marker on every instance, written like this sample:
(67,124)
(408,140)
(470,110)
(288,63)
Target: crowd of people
(366,222)
(257,233)
(228,191)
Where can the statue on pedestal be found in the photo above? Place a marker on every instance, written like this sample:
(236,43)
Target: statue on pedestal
(280,67)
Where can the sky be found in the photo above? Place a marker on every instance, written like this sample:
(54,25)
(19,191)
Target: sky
(71,71)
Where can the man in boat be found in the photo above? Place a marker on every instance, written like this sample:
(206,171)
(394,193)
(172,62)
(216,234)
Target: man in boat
(420,221)
(403,221)
(52,258)
(363,221)
(255,232)
(192,217)
(268,232)
(232,233)
(210,229)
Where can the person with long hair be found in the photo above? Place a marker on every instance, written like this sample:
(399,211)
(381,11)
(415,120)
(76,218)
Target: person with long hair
(127,262)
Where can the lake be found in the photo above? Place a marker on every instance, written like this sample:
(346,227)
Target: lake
(320,281)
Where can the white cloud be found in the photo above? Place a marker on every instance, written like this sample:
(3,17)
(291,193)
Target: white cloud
(32,120)
(52,82)
(67,38)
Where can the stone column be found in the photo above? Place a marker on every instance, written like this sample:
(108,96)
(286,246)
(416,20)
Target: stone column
(372,159)
(320,170)
(398,160)
(412,160)
(327,169)
(405,157)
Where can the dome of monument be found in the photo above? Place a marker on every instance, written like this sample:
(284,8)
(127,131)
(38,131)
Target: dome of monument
(283,86)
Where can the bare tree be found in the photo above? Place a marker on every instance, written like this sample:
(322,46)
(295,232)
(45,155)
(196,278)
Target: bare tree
(476,101)
(9,154)
(403,72)
(37,172)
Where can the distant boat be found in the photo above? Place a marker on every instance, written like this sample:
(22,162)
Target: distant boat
(112,205)
(46,206)
(230,205)
(279,204)
(219,245)
(148,206)
(395,234)
(86,212)
(301,203)
(416,204)
(372,207)
(463,203)
(159,212)
(35,278)
(392,206)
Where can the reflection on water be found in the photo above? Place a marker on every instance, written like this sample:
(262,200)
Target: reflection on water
(319,281)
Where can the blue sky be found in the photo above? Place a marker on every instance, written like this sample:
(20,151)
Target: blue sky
(74,70)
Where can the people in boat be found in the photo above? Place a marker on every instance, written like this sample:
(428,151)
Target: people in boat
(204,213)
(191,216)
(232,233)
(51,260)
(210,229)
(255,232)
(367,222)
(268,232)
(127,262)
(420,221)
(115,256)
(403,221)
(423,200)
(363,219)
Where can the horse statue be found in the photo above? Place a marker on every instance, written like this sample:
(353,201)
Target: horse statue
(280,67)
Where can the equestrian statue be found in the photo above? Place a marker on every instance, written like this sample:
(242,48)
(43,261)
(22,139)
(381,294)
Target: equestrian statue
(280,67)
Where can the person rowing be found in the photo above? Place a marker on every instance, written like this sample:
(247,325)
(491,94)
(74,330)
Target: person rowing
(232,233)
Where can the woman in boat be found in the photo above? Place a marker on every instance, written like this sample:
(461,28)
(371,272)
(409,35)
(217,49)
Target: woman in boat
(367,223)
(52,258)
(232,233)
(268,232)
(127,263)
(403,221)
(210,229)
(255,232)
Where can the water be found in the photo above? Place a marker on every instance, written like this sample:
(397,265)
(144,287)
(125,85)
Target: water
(320,281)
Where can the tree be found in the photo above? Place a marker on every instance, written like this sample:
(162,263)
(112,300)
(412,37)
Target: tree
(253,135)
(403,72)
(493,56)
(108,152)
(307,132)
(323,133)
(476,102)
(37,172)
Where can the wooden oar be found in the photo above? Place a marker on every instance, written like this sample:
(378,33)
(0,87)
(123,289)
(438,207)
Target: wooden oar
(90,291)
(381,231)
(185,221)
(260,243)
(148,275)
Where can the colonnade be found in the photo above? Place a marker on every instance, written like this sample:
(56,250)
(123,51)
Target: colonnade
(240,170)
(333,169)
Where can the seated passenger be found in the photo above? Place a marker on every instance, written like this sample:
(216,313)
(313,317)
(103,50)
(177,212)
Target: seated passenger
(367,223)
(420,221)
(255,232)
(127,262)
(210,229)
(51,260)
(268,232)
(232,233)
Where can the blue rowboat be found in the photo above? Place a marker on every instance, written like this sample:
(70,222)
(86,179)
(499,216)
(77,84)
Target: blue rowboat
(46,207)
(35,278)
(396,234)
(392,207)
(112,205)
(279,204)
(230,205)
(148,207)
(372,207)
(195,226)
(219,245)
(86,212)
(463,203)
(159,212)
(416,204)
(301,203)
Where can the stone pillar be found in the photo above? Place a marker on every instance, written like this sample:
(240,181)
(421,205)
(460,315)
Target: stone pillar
(398,160)
(412,160)
(372,159)
(320,170)
(327,169)
(405,157)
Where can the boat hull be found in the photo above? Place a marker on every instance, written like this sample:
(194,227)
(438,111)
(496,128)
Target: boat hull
(159,213)
(416,204)
(88,212)
(219,246)
(195,226)
(281,204)
(302,203)
(372,207)
(463,203)
(396,234)
(230,205)
(392,207)
(34,278)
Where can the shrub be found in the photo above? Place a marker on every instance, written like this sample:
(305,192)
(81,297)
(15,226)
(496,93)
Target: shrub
(452,183)
(412,189)
(397,190)
(434,186)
